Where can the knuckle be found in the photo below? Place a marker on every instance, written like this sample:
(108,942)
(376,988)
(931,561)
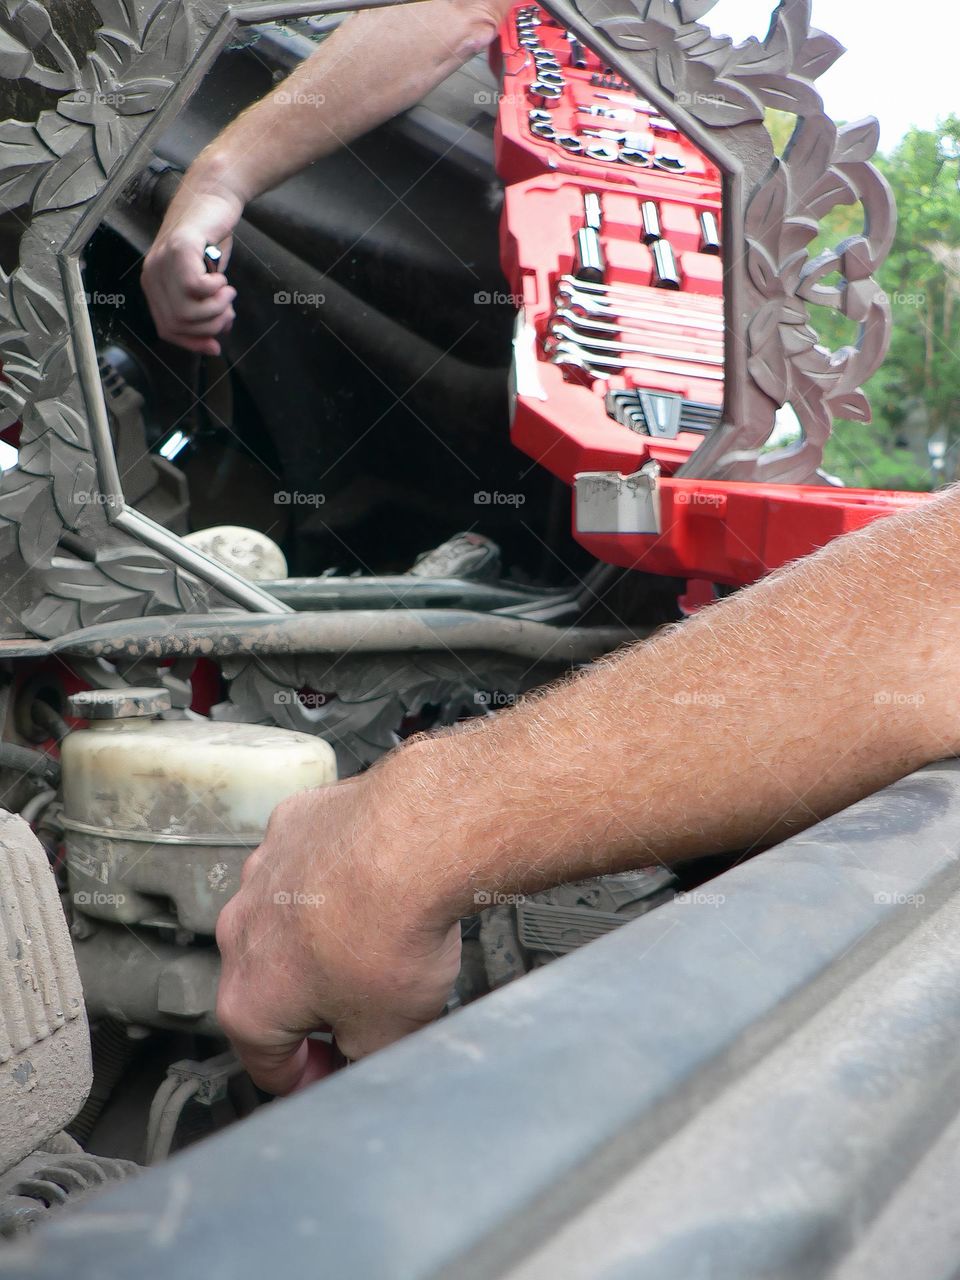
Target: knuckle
(351,1045)
(235,1021)
(179,240)
(228,1015)
(248,871)
(225,931)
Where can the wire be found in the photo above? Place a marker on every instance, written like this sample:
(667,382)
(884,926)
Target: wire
(167,1117)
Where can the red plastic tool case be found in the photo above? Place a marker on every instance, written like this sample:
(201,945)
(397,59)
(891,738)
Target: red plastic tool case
(726,533)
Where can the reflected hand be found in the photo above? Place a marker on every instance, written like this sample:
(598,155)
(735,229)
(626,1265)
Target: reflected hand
(329,929)
(191,306)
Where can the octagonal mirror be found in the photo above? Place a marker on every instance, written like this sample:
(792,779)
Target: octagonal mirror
(603,208)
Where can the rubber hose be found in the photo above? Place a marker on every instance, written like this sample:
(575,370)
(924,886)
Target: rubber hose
(26,760)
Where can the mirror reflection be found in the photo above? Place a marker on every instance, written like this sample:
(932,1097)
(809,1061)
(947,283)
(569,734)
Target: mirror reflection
(362,323)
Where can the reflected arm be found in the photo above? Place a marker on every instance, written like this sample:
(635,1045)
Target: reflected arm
(377,63)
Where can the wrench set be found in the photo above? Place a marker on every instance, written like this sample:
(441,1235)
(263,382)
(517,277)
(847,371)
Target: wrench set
(622,288)
(597,328)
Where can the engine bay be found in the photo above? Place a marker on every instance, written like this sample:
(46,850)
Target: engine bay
(259,572)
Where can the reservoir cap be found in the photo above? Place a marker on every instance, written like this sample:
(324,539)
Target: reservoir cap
(118,704)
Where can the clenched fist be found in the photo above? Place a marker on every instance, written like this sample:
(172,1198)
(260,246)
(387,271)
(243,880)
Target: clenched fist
(191,306)
(328,930)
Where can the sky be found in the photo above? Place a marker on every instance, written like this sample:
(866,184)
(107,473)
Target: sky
(901,63)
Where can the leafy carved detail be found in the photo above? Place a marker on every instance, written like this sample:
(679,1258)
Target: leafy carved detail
(65,156)
(26,29)
(725,87)
(717,81)
(56,164)
(359,704)
(823,167)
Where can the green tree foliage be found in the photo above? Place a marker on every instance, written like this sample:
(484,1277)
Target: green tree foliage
(916,394)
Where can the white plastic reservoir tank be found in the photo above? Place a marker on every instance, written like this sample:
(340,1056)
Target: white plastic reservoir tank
(160,815)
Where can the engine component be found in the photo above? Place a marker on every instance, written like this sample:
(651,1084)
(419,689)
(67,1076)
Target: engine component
(150,482)
(36,764)
(203,1082)
(518,935)
(162,814)
(45,1067)
(130,975)
(114,1052)
(49,1178)
(465,555)
(559,920)
(503,956)
(246,551)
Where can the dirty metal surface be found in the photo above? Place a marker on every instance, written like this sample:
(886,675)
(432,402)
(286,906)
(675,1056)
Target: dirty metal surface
(756,1081)
(45,1067)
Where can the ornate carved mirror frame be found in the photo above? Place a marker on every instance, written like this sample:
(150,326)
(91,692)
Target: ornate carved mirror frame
(75,554)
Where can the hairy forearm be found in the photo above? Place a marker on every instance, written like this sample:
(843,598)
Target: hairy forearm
(756,718)
(378,63)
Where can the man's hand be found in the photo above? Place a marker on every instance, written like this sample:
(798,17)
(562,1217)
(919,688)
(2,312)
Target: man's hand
(377,64)
(190,306)
(755,718)
(327,930)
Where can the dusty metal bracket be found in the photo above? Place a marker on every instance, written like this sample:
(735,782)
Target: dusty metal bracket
(45,1066)
(608,502)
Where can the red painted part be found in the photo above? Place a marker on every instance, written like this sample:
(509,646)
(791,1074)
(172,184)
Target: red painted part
(541,218)
(560,419)
(206,683)
(10,435)
(736,533)
(698,595)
